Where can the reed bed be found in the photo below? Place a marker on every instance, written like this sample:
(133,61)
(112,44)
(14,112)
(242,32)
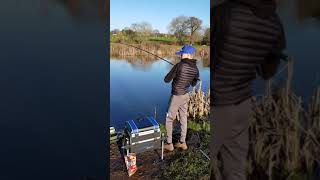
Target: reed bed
(199,104)
(284,136)
(120,50)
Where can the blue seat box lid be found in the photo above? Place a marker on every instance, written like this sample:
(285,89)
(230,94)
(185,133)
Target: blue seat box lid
(135,125)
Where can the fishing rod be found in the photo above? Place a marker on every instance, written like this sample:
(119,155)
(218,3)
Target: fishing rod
(151,54)
(147,52)
(154,55)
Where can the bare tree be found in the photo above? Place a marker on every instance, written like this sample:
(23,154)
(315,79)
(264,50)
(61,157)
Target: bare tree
(183,26)
(179,27)
(196,37)
(127,31)
(156,31)
(142,30)
(115,31)
(142,27)
(194,26)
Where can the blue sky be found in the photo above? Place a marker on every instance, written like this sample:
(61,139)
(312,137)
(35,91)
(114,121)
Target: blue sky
(158,13)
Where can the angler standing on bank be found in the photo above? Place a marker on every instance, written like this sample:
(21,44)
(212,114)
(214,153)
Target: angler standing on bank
(183,74)
(248,35)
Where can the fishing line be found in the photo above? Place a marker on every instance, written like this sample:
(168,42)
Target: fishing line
(285,59)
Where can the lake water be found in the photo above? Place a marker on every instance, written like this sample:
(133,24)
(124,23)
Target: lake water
(301,21)
(137,88)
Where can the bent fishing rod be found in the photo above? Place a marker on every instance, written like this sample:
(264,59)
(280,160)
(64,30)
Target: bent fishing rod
(147,52)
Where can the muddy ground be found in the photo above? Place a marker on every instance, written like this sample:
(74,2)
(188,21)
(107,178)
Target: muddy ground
(149,164)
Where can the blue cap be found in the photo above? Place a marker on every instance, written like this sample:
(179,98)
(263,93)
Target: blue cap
(186,49)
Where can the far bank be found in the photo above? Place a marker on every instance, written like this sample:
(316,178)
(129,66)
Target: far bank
(117,49)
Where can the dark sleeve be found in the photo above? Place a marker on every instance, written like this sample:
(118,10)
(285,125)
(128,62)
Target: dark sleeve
(272,60)
(172,74)
(216,19)
(219,21)
(195,79)
(213,20)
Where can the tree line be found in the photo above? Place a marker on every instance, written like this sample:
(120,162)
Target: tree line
(181,30)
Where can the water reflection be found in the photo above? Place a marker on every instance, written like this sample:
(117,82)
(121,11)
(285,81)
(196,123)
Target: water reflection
(145,62)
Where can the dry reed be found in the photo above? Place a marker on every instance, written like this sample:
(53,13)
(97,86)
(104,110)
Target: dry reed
(120,50)
(283,135)
(199,104)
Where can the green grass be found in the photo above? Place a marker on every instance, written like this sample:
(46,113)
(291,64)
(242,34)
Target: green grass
(169,40)
(189,164)
(192,163)
(164,40)
(199,126)
(163,128)
(195,125)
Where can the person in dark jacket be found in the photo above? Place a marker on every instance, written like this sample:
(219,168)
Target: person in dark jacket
(183,74)
(248,38)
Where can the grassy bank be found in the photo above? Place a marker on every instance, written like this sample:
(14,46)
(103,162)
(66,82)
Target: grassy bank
(189,164)
(120,50)
(132,37)
(192,163)
(135,39)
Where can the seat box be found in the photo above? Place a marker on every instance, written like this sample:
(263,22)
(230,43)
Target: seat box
(143,134)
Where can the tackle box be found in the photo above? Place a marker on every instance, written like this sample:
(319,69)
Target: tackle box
(143,135)
(113,134)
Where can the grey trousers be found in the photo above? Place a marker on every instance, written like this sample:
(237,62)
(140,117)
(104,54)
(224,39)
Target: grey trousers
(230,139)
(177,104)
